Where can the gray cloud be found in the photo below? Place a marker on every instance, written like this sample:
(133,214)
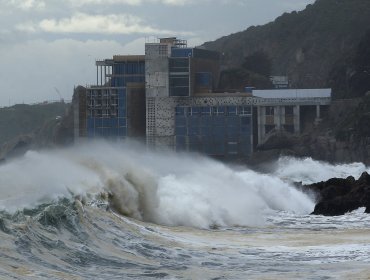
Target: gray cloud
(101,24)
(54,43)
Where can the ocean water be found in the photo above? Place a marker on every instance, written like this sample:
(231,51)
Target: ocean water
(117,211)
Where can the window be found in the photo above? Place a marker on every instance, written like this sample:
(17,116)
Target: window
(245,110)
(220,110)
(232,111)
(206,110)
(180,111)
(289,110)
(196,111)
(269,111)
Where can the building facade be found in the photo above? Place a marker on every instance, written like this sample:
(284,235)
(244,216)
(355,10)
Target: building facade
(168,98)
(115,105)
(288,110)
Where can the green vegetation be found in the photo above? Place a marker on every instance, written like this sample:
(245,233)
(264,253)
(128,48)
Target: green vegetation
(308,46)
(351,77)
(255,71)
(25,119)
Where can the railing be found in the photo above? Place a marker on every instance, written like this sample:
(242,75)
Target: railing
(303,101)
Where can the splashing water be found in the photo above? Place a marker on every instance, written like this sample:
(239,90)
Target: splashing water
(309,171)
(164,188)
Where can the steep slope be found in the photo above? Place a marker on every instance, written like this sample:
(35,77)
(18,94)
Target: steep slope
(304,45)
(23,119)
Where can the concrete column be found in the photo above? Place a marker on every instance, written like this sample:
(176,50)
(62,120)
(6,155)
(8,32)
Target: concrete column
(297,119)
(105,74)
(101,75)
(318,111)
(277,117)
(259,124)
(97,75)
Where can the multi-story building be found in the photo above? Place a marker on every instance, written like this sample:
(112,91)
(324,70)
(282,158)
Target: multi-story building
(115,106)
(168,97)
(183,113)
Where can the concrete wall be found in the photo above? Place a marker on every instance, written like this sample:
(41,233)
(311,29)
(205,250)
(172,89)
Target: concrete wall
(156,70)
(79,113)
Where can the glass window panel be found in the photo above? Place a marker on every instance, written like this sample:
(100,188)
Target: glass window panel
(232,111)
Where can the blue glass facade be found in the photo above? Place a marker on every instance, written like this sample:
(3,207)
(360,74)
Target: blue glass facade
(179,78)
(128,72)
(107,105)
(217,130)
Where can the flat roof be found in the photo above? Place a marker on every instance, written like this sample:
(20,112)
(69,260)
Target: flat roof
(293,93)
(222,94)
(118,58)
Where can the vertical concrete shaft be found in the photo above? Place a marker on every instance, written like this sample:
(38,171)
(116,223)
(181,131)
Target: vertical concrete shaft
(101,75)
(318,112)
(297,119)
(277,117)
(261,121)
(105,74)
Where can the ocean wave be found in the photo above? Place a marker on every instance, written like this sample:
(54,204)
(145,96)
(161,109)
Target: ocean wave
(164,188)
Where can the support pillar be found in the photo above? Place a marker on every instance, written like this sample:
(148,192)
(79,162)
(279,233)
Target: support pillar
(259,124)
(101,75)
(97,75)
(318,115)
(318,112)
(277,117)
(297,119)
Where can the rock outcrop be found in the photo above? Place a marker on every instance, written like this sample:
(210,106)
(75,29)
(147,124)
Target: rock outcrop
(339,196)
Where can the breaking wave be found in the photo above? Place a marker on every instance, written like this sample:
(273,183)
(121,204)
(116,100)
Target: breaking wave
(56,220)
(159,187)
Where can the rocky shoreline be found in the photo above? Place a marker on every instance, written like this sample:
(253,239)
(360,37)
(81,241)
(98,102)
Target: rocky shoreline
(338,196)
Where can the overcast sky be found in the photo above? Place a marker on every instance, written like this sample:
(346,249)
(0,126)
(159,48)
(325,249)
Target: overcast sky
(49,46)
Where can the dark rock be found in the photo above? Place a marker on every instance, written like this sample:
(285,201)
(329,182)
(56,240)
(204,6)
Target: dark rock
(339,196)
(365,178)
(335,207)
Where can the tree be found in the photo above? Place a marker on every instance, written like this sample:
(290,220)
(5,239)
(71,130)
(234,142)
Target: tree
(259,63)
(360,81)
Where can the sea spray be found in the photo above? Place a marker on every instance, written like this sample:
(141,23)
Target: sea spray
(160,187)
(74,236)
(310,171)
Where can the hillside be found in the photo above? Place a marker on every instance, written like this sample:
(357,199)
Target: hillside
(25,119)
(308,46)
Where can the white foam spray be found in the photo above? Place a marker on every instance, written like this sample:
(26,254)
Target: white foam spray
(160,187)
(310,171)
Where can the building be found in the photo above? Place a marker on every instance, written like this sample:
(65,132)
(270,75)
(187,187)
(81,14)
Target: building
(115,106)
(168,98)
(182,111)
(288,110)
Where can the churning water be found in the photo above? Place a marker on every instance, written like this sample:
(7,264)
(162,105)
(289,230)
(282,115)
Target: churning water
(109,211)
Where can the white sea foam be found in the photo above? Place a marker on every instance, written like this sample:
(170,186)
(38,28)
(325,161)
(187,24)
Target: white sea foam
(309,171)
(161,187)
